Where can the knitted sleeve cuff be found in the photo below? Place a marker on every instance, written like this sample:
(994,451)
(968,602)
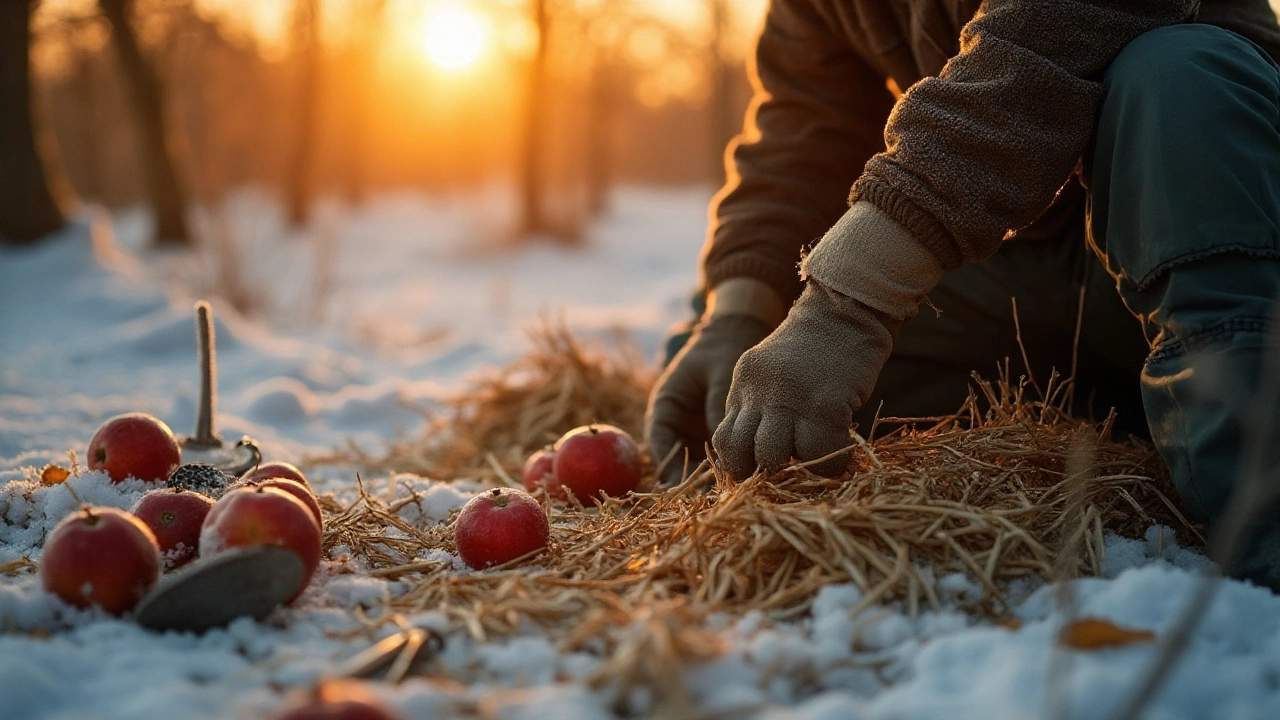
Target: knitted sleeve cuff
(901,209)
(784,278)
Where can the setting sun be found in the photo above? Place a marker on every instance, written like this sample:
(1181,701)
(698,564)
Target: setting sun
(454,38)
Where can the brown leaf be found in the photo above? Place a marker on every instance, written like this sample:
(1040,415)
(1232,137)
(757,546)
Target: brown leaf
(1009,623)
(1096,633)
(54,475)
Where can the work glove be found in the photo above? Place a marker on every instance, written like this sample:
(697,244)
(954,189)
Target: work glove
(688,401)
(794,395)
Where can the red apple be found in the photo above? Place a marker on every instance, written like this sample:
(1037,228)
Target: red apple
(342,700)
(537,469)
(498,526)
(263,516)
(175,516)
(278,469)
(595,459)
(294,488)
(100,556)
(134,445)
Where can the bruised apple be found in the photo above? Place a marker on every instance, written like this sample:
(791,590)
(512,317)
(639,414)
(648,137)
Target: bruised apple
(256,515)
(134,445)
(278,470)
(174,516)
(100,556)
(537,469)
(595,459)
(498,526)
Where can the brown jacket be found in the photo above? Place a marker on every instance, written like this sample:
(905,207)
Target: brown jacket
(1000,104)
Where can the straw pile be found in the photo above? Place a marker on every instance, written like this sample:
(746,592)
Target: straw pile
(1007,488)
(520,408)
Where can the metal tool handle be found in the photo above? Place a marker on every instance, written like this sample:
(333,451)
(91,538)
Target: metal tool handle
(205,436)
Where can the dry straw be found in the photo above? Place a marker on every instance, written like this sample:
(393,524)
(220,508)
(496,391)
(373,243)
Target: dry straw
(1007,488)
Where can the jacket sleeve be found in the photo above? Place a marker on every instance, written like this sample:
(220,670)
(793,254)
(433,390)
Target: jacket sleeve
(817,116)
(982,148)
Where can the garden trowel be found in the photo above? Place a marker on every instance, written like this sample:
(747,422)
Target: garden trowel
(211,593)
(249,581)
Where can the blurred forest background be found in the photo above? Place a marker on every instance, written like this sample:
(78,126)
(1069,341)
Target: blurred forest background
(174,103)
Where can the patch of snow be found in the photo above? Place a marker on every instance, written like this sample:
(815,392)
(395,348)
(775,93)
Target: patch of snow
(418,301)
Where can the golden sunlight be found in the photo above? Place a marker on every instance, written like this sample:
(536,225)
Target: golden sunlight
(453,38)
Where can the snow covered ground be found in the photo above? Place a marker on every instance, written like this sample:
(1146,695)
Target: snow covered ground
(414,295)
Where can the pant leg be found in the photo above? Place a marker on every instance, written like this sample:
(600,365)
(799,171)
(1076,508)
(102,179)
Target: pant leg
(929,371)
(1184,204)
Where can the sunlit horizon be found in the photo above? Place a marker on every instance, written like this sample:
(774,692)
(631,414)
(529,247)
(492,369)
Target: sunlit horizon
(454,38)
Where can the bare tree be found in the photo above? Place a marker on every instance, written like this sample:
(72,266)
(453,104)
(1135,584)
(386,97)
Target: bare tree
(156,141)
(532,169)
(29,208)
(725,121)
(368,39)
(299,182)
(601,113)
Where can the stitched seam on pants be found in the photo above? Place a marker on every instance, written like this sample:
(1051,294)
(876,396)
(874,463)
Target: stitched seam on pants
(1154,274)
(1207,336)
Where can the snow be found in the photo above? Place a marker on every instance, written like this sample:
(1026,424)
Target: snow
(418,296)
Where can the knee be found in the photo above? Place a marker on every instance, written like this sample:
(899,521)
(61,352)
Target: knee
(1188,67)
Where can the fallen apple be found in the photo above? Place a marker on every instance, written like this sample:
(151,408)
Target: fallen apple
(294,488)
(595,459)
(134,445)
(256,515)
(278,469)
(537,469)
(498,526)
(100,556)
(175,517)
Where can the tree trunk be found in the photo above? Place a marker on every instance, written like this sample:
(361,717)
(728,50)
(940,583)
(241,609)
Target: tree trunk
(367,42)
(89,128)
(168,196)
(724,121)
(532,178)
(28,208)
(298,188)
(600,120)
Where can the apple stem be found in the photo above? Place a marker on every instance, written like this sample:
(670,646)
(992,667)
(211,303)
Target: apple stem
(205,435)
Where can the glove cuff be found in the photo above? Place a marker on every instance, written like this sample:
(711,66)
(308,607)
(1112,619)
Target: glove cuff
(747,296)
(874,260)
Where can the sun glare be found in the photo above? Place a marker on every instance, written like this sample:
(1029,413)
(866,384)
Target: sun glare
(454,38)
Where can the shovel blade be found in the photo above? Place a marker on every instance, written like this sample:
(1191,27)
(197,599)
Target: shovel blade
(211,593)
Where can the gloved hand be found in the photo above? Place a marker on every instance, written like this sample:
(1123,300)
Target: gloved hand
(794,395)
(688,401)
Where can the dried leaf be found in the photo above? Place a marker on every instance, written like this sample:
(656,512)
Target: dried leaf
(54,475)
(1095,634)
(1008,622)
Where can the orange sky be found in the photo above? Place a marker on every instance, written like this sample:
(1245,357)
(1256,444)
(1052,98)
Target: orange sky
(506,35)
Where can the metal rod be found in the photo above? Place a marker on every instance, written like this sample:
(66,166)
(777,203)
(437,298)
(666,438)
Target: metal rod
(205,436)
